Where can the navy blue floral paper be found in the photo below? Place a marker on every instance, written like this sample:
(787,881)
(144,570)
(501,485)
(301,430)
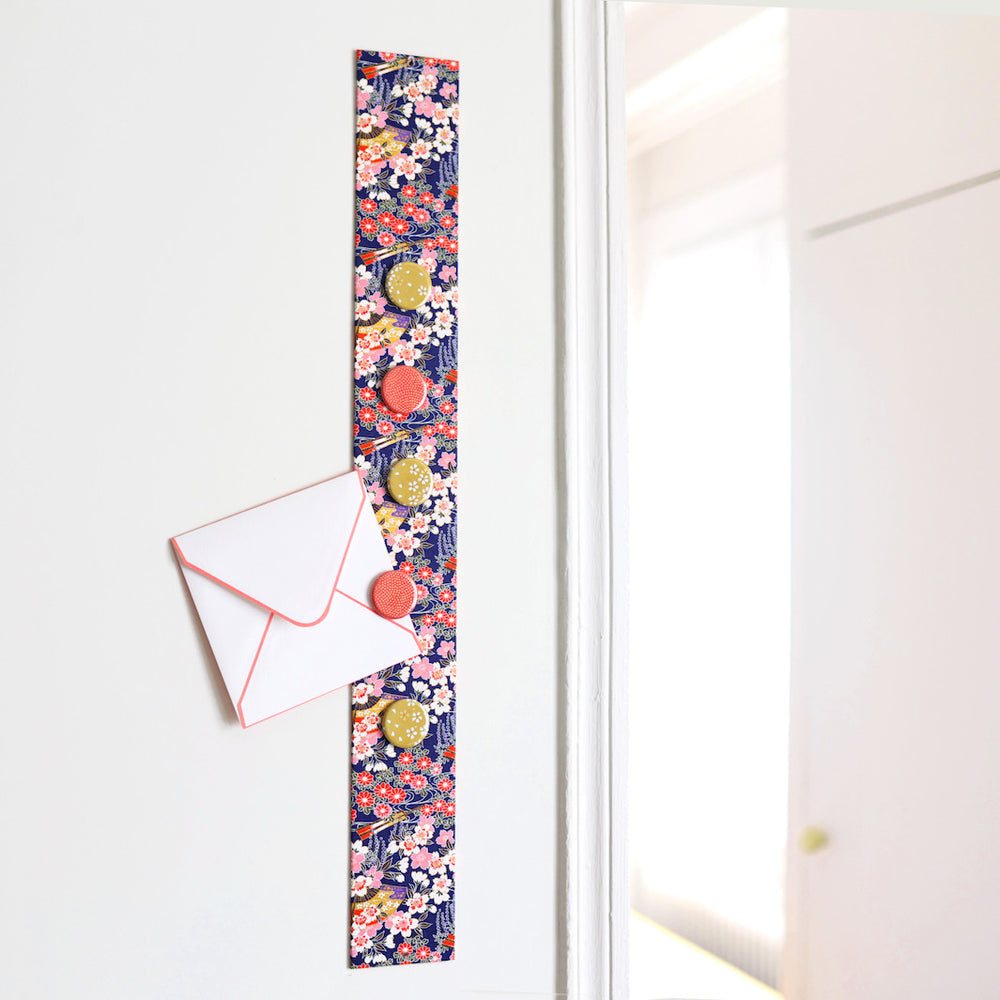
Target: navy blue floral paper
(403,802)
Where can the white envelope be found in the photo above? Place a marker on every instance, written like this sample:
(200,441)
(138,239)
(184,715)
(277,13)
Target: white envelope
(283,593)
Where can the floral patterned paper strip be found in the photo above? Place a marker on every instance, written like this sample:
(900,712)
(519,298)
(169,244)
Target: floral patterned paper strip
(403,801)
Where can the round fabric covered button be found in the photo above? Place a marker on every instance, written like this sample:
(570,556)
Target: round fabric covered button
(405,723)
(410,482)
(408,285)
(394,594)
(404,389)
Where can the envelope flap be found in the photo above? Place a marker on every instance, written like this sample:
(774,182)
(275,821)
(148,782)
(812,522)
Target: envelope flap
(285,554)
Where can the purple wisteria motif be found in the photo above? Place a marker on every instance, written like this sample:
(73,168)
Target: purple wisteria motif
(403,801)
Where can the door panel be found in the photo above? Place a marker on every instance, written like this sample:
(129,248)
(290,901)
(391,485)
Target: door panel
(896,602)
(892,106)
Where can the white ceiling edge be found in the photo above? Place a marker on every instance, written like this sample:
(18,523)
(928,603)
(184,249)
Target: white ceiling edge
(736,65)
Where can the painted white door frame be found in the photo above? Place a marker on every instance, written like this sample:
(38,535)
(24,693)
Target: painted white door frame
(593,366)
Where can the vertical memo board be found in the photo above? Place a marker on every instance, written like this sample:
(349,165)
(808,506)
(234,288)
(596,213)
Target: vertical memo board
(403,798)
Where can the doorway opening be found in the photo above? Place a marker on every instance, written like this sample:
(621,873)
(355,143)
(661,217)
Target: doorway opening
(709,509)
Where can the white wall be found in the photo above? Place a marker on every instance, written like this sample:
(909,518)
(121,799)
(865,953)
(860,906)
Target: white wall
(175,252)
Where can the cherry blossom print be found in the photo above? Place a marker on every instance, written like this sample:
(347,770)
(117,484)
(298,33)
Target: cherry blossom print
(403,801)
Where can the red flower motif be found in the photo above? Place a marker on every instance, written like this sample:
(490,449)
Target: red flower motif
(368,226)
(367,394)
(368,206)
(365,800)
(425,763)
(386,239)
(366,415)
(406,758)
(382,789)
(426,197)
(397,796)
(406,776)
(405,948)
(400,226)
(444,784)
(382,810)
(425,573)
(447,222)
(447,596)
(408,191)
(423,953)
(364,778)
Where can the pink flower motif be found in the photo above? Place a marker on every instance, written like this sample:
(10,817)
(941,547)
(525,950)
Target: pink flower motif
(448,273)
(446,649)
(423,669)
(449,90)
(447,460)
(423,858)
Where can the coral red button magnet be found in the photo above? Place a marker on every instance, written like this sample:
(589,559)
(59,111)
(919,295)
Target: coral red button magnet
(404,389)
(394,594)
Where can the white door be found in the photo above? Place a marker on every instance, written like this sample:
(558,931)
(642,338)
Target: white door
(895,259)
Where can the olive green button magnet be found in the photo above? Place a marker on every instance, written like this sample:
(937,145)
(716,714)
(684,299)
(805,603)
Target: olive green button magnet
(410,482)
(408,285)
(405,723)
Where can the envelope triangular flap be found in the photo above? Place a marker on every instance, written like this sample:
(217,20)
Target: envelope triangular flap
(286,554)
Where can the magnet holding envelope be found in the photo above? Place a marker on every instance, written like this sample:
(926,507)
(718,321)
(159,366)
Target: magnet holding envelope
(283,592)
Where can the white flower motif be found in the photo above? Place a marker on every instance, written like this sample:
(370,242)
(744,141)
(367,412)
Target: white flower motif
(442,511)
(444,139)
(403,541)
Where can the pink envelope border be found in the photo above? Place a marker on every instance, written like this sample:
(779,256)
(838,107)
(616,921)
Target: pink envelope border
(273,613)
